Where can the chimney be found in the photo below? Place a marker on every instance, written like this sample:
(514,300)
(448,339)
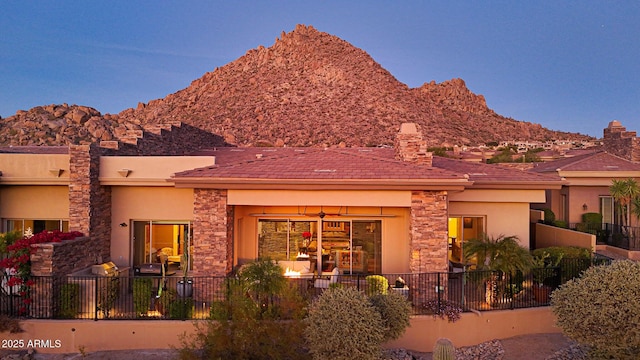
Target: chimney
(411,147)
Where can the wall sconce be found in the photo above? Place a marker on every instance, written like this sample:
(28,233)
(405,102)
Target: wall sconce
(585,207)
(123,224)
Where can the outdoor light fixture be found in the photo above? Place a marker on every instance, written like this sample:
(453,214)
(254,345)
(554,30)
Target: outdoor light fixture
(123,224)
(585,207)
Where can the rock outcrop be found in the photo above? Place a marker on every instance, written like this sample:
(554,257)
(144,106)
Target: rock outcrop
(308,89)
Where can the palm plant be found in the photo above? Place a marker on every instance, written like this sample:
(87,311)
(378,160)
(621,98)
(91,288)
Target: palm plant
(502,255)
(626,192)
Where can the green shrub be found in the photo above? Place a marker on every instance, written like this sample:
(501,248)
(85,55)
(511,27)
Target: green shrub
(395,312)
(181,308)
(267,324)
(560,224)
(141,295)
(377,284)
(69,301)
(549,216)
(592,218)
(604,300)
(342,325)
(108,292)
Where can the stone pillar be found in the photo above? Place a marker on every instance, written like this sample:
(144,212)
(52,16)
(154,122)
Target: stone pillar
(428,231)
(212,233)
(89,202)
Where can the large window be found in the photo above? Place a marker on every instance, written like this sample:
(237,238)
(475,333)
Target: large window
(353,246)
(36,225)
(171,237)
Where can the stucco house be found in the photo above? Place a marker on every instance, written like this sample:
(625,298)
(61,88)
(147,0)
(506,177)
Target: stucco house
(363,210)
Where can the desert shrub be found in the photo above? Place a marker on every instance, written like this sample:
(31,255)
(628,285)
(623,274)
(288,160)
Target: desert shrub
(69,301)
(549,216)
(267,324)
(377,284)
(395,312)
(342,325)
(604,297)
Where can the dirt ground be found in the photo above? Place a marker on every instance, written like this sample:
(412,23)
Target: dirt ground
(525,347)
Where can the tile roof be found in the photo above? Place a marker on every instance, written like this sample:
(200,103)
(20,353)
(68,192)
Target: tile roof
(350,164)
(597,161)
(314,163)
(481,173)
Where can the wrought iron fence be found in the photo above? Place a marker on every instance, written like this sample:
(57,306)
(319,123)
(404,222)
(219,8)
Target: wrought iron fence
(154,297)
(624,237)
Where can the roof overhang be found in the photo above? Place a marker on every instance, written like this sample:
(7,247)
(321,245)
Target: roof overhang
(320,184)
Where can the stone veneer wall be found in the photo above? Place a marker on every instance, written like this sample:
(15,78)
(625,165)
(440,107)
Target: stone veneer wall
(89,202)
(410,146)
(618,141)
(428,231)
(53,261)
(212,233)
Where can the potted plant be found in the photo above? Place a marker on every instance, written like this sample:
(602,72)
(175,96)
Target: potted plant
(185,285)
(543,268)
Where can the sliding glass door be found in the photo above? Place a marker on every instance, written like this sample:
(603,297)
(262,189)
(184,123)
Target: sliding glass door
(353,246)
(173,238)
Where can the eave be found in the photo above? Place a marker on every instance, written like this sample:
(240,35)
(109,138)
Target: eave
(321,184)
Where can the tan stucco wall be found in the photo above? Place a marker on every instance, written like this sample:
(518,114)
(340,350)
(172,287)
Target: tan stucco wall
(147,170)
(144,203)
(581,195)
(502,218)
(395,230)
(422,334)
(34,168)
(547,235)
(34,202)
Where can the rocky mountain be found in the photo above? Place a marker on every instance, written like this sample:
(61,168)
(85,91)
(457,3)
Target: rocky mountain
(308,89)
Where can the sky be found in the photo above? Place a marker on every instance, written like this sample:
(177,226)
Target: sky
(567,65)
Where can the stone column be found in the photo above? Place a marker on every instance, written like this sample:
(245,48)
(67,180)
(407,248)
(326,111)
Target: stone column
(212,233)
(428,231)
(89,202)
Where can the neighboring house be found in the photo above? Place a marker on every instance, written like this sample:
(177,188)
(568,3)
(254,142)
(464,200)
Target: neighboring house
(588,178)
(368,210)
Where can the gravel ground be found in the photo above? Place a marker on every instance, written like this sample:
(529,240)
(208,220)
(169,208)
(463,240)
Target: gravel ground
(530,347)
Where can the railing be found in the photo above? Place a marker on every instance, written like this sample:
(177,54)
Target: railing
(625,237)
(150,297)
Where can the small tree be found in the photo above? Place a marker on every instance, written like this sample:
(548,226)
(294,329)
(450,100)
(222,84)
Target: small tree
(604,298)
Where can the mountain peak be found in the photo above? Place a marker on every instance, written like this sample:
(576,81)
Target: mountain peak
(311,88)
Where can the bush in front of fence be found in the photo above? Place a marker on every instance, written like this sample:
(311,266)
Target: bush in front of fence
(343,324)
(259,318)
(601,309)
